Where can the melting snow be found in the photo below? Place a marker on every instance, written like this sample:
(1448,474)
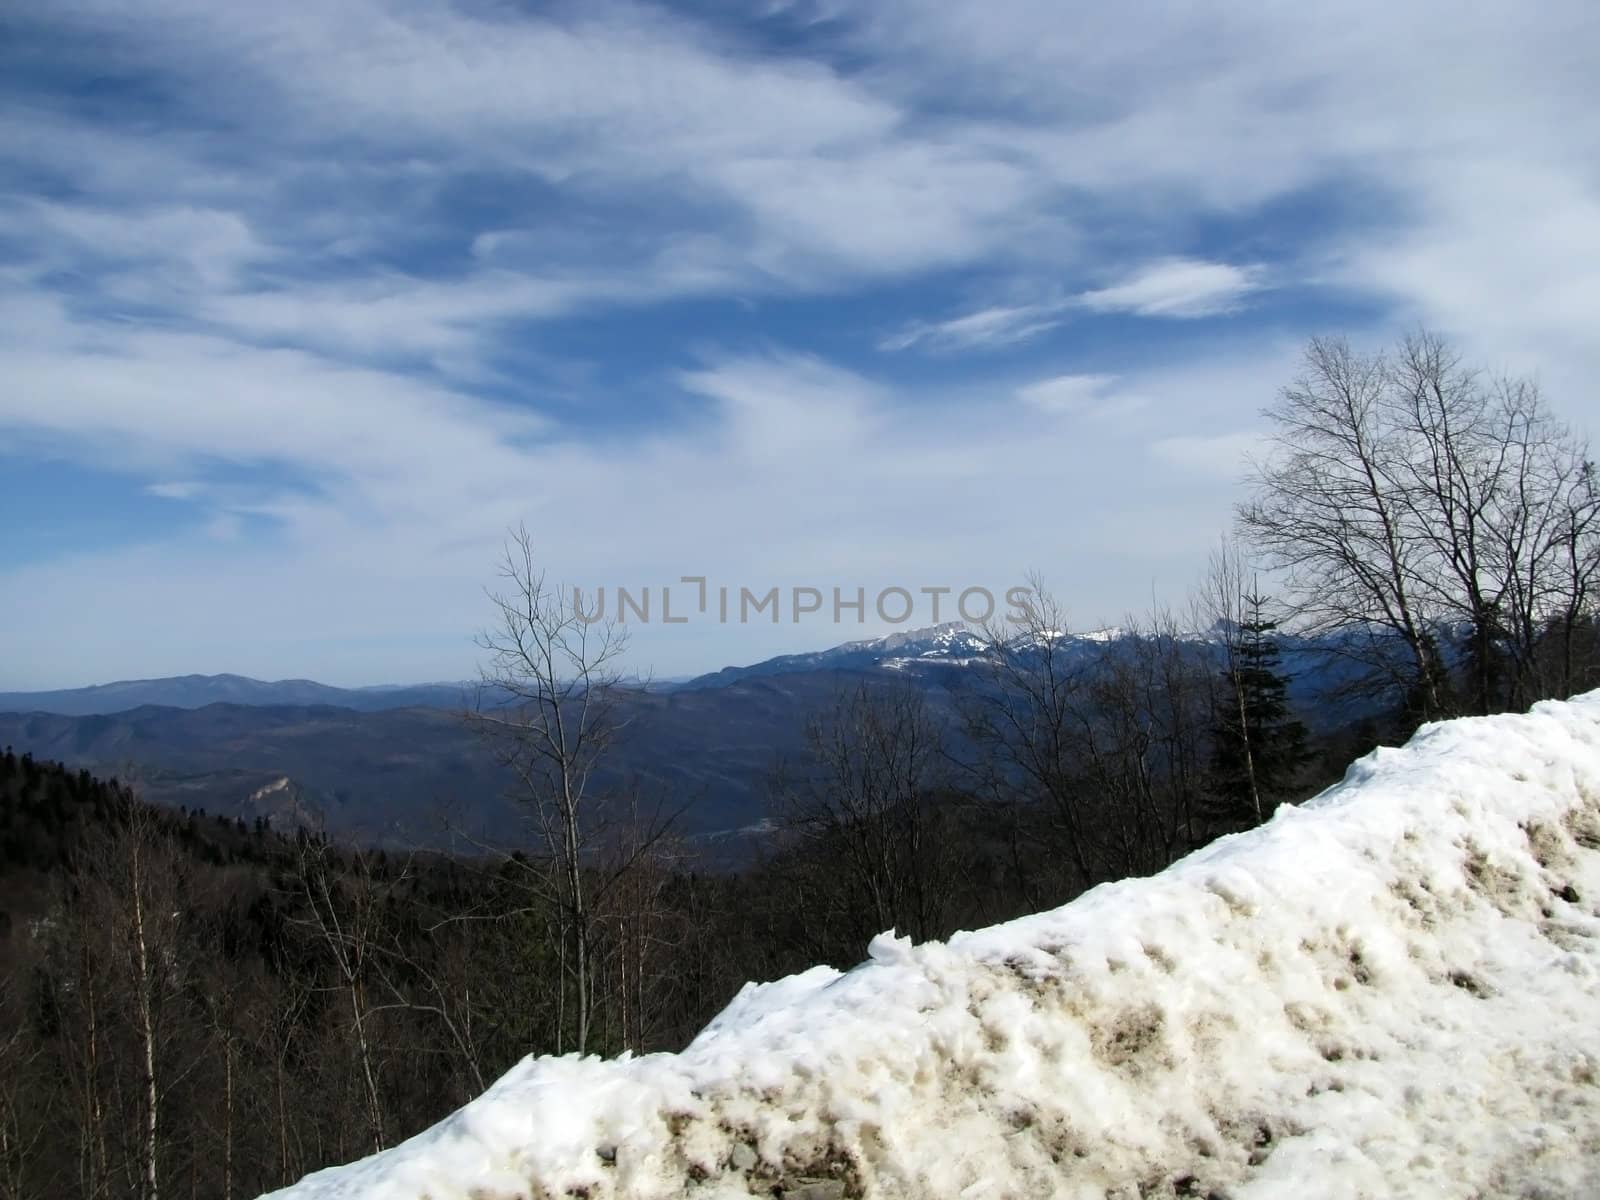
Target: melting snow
(1391,990)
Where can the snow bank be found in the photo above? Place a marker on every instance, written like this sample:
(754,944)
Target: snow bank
(1393,990)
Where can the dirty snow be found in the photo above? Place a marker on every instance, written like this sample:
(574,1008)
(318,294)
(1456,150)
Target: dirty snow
(1393,990)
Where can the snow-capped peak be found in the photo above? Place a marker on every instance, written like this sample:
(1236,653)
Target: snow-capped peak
(944,634)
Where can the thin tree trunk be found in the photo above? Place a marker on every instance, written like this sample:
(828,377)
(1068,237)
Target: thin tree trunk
(374,1103)
(227,1119)
(145,1015)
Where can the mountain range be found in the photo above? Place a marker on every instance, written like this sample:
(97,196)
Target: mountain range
(399,765)
(949,644)
(197,691)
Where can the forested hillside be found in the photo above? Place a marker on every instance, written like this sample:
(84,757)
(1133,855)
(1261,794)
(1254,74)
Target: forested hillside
(1389,991)
(197,1005)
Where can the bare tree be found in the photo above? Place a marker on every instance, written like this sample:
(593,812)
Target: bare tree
(280,1031)
(1141,729)
(632,871)
(122,999)
(1181,694)
(221,1002)
(871,789)
(1329,510)
(1103,737)
(1024,729)
(80,998)
(1411,496)
(144,875)
(1568,660)
(1503,495)
(549,704)
(346,914)
(426,972)
(25,1094)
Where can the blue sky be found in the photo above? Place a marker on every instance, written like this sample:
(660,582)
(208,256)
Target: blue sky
(303,304)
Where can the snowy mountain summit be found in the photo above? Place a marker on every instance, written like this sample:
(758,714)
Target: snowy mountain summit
(952,642)
(1392,990)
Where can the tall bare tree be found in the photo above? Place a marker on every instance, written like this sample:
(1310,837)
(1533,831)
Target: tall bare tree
(25,1093)
(1409,496)
(871,790)
(549,705)
(1330,511)
(1142,733)
(1023,727)
(82,1001)
(632,872)
(346,920)
(128,914)
(1503,494)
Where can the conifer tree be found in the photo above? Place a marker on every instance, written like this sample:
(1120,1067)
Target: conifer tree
(1259,746)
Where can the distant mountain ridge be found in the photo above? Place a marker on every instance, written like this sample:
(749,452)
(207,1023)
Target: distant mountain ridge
(422,776)
(951,643)
(398,765)
(197,691)
(933,649)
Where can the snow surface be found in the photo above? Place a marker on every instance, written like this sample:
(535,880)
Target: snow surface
(1393,990)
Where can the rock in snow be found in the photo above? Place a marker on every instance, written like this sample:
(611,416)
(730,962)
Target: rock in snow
(1392,990)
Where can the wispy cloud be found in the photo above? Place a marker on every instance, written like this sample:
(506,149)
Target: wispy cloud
(1169,288)
(185,489)
(987,328)
(201,246)
(1092,396)
(1182,288)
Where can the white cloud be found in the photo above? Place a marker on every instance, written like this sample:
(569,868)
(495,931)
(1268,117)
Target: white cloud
(211,246)
(1161,111)
(141,399)
(987,328)
(185,489)
(881,209)
(1177,287)
(777,409)
(391,314)
(817,172)
(1181,288)
(983,133)
(788,173)
(1092,396)
(1506,258)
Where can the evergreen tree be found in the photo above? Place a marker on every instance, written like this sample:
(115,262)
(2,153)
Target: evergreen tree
(1259,747)
(1486,664)
(1431,694)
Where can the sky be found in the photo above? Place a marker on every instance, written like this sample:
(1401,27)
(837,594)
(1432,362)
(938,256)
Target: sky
(304,305)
